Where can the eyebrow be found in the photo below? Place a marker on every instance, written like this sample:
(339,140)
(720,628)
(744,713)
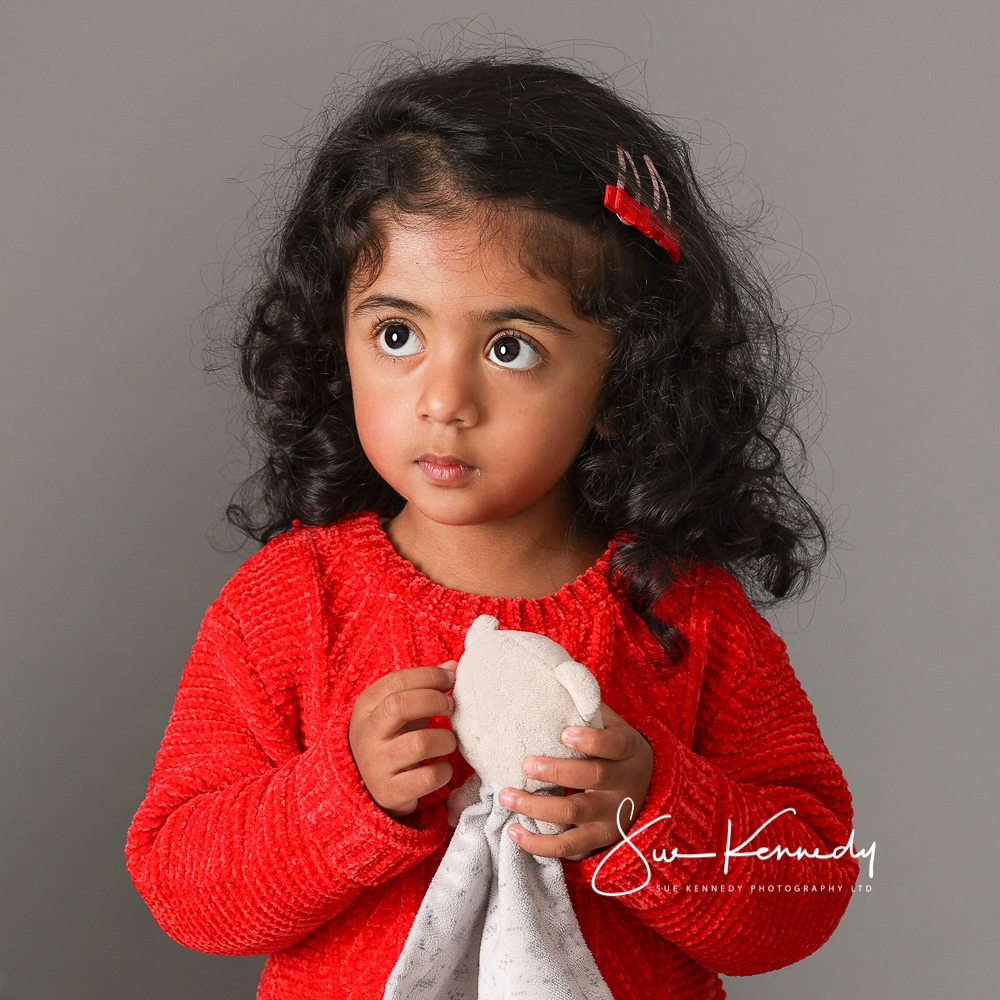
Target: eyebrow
(373,302)
(490,317)
(526,314)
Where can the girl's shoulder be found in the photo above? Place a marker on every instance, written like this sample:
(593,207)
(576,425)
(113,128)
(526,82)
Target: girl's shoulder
(706,587)
(275,604)
(710,606)
(727,647)
(292,569)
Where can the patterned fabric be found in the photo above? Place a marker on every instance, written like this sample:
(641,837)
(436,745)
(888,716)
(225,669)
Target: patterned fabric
(496,922)
(257,834)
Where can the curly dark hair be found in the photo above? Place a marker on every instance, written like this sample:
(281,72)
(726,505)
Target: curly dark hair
(693,458)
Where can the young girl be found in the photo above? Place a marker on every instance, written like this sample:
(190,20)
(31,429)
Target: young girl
(506,362)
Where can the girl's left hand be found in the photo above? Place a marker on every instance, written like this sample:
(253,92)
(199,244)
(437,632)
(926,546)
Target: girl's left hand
(619,765)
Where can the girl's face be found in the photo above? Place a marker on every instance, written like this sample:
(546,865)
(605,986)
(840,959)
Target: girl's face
(475,384)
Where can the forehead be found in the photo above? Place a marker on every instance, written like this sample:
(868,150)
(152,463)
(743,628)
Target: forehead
(474,246)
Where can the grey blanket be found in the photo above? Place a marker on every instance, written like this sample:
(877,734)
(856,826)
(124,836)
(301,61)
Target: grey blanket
(496,922)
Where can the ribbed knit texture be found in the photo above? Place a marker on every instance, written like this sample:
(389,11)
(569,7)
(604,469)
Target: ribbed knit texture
(258,835)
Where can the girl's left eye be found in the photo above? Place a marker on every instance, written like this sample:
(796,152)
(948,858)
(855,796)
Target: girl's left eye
(513,352)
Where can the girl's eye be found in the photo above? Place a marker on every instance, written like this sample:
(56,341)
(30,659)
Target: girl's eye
(398,340)
(513,352)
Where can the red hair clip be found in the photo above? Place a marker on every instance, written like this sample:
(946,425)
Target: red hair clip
(633,214)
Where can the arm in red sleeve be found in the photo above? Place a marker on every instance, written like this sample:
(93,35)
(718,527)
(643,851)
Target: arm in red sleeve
(246,842)
(757,752)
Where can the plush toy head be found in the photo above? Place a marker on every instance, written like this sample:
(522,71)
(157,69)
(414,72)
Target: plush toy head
(514,694)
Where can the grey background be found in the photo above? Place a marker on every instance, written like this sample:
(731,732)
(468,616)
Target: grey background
(872,129)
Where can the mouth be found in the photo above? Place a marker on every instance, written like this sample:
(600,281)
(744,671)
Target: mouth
(445,468)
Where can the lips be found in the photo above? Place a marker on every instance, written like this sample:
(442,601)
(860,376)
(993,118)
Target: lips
(445,468)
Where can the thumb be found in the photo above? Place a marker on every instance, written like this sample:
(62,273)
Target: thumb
(611,717)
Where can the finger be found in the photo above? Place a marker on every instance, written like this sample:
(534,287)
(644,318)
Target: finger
(403,789)
(441,678)
(613,743)
(610,716)
(617,740)
(409,749)
(574,772)
(572,845)
(398,708)
(571,810)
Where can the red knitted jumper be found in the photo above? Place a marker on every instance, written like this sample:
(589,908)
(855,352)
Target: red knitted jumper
(258,835)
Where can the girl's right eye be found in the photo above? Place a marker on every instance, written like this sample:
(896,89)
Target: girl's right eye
(398,340)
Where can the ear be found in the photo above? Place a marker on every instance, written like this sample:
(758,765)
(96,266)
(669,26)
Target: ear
(481,627)
(582,687)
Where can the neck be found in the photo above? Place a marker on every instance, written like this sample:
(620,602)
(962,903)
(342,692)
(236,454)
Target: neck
(530,554)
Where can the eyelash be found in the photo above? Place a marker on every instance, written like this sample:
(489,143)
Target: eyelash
(381,324)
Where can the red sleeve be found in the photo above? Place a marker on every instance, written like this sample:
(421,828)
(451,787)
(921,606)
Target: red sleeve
(757,751)
(247,841)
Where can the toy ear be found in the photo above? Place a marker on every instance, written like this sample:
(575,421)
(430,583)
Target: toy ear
(483,625)
(581,685)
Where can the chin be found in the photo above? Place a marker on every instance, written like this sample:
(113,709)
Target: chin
(454,518)
(459,514)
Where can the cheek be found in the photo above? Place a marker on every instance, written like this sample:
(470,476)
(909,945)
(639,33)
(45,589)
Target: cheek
(548,438)
(372,409)
(377,417)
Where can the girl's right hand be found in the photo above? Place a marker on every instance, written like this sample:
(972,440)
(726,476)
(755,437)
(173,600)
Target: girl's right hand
(390,736)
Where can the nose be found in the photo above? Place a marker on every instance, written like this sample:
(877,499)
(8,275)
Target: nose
(449,394)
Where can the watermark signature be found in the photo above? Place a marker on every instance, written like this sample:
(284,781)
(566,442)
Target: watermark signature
(762,853)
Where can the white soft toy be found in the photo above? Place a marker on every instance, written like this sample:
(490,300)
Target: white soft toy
(496,922)
(514,694)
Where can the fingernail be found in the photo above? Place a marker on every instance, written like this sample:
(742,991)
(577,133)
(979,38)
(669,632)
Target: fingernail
(530,767)
(571,737)
(507,799)
(451,704)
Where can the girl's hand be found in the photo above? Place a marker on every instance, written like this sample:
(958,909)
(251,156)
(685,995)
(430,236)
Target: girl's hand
(389,736)
(619,766)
